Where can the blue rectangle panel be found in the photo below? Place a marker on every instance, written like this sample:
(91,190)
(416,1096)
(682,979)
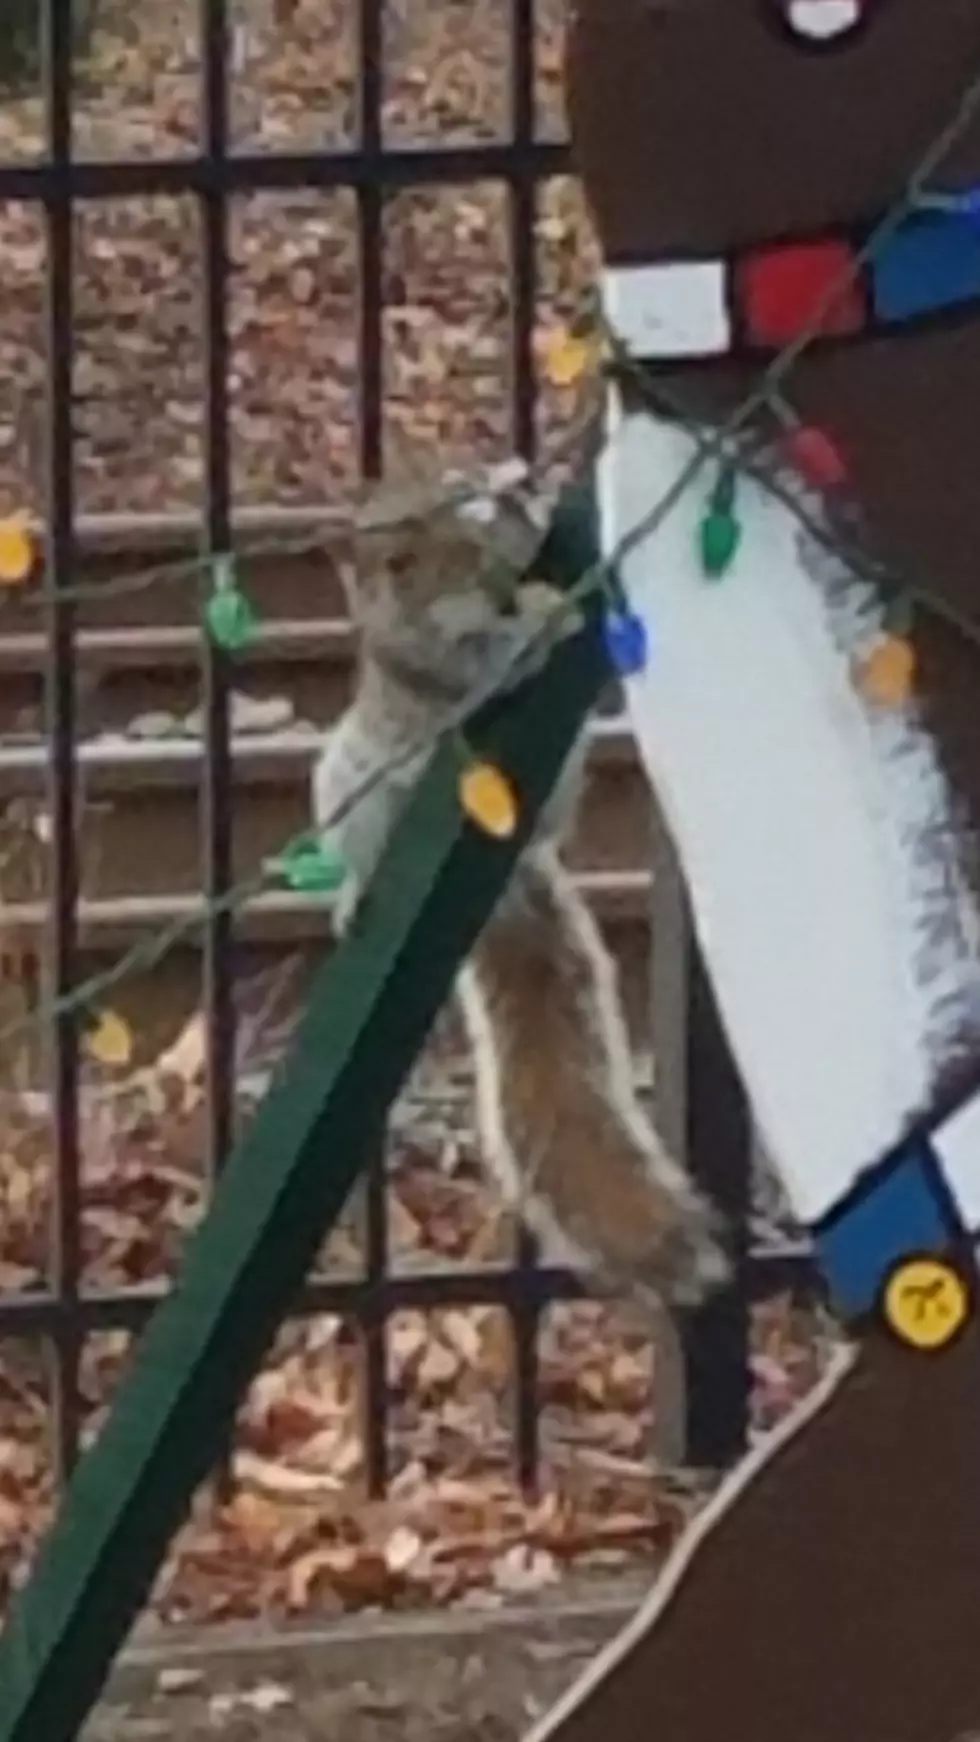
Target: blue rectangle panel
(931,263)
(900,1215)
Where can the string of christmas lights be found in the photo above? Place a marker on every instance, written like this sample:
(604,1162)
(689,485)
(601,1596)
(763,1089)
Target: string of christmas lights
(228,614)
(720,532)
(887,675)
(486,795)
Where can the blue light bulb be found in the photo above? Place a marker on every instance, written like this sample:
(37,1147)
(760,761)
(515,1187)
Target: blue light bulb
(626,642)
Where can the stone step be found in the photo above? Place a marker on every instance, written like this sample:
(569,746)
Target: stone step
(274,931)
(140,831)
(145,570)
(141,761)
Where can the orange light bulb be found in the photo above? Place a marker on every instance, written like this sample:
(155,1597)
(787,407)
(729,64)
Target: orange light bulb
(887,676)
(489,800)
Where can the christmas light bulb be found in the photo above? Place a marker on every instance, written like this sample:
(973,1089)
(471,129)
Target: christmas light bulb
(16,553)
(489,800)
(815,457)
(887,676)
(309,866)
(626,642)
(229,615)
(720,531)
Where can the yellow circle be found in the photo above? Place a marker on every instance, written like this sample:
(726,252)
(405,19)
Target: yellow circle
(489,800)
(16,552)
(926,1301)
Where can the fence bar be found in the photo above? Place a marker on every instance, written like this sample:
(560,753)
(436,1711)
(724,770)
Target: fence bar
(720,1155)
(522,214)
(375,1317)
(370,218)
(668,968)
(66,1255)
(521,208)
(217,787)
(129,1308)
(247,172)
(370,435)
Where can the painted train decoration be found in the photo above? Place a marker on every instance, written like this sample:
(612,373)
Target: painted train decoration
(787,194)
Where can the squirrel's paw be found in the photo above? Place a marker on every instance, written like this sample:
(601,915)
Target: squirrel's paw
(345,904)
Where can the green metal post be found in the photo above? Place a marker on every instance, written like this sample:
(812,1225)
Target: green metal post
(367,1018)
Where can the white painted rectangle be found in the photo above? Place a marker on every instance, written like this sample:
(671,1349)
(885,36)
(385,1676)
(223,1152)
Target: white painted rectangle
(957,1144)
(670,309)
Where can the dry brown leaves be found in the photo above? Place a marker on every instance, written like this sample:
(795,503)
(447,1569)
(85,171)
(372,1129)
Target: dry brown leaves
(139,359)
(301,1531)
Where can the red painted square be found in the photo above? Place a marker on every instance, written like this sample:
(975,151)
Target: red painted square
(778,294)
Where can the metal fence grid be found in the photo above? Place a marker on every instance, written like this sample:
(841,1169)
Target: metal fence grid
(717,1132)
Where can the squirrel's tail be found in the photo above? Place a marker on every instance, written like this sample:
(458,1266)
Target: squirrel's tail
(559,1118)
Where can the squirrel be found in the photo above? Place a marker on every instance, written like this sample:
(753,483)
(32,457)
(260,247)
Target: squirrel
(432,592)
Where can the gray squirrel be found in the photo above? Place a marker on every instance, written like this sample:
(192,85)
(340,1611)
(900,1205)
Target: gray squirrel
(433,593)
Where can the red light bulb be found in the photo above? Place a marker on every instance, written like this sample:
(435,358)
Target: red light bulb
(815,457)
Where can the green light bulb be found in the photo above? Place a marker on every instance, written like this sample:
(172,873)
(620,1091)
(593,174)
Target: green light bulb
(720,539)
(309,866)
(721,533)
(231,619)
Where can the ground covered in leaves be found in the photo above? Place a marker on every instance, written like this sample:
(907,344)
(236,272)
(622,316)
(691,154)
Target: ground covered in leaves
(294,289)
(299,1534)
(480,1677)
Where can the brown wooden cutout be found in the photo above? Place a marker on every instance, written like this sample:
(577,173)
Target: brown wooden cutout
(829,1593)
(704,126)
(832,1588)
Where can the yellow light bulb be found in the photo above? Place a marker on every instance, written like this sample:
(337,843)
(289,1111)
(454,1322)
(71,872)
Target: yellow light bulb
(567,358)
(16,553)
(489,800)
(110,1042)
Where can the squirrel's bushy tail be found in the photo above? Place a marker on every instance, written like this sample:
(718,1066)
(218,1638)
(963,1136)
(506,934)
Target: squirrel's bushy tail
(559,1118)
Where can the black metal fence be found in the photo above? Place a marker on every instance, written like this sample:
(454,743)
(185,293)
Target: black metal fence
(718,1135)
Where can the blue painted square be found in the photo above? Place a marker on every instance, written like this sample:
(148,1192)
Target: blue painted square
(931,263)
(898,1216)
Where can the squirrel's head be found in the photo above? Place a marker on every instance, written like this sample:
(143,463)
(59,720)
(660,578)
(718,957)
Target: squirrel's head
(711,124)
(436,562)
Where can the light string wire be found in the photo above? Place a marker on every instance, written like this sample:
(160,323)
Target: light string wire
(660,399)
(339,528)
(599,576)
(716,444)
(917,194)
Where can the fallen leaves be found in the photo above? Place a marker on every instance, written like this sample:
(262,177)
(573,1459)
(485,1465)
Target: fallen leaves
(295,278)
(300,1531)
(356,1574)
